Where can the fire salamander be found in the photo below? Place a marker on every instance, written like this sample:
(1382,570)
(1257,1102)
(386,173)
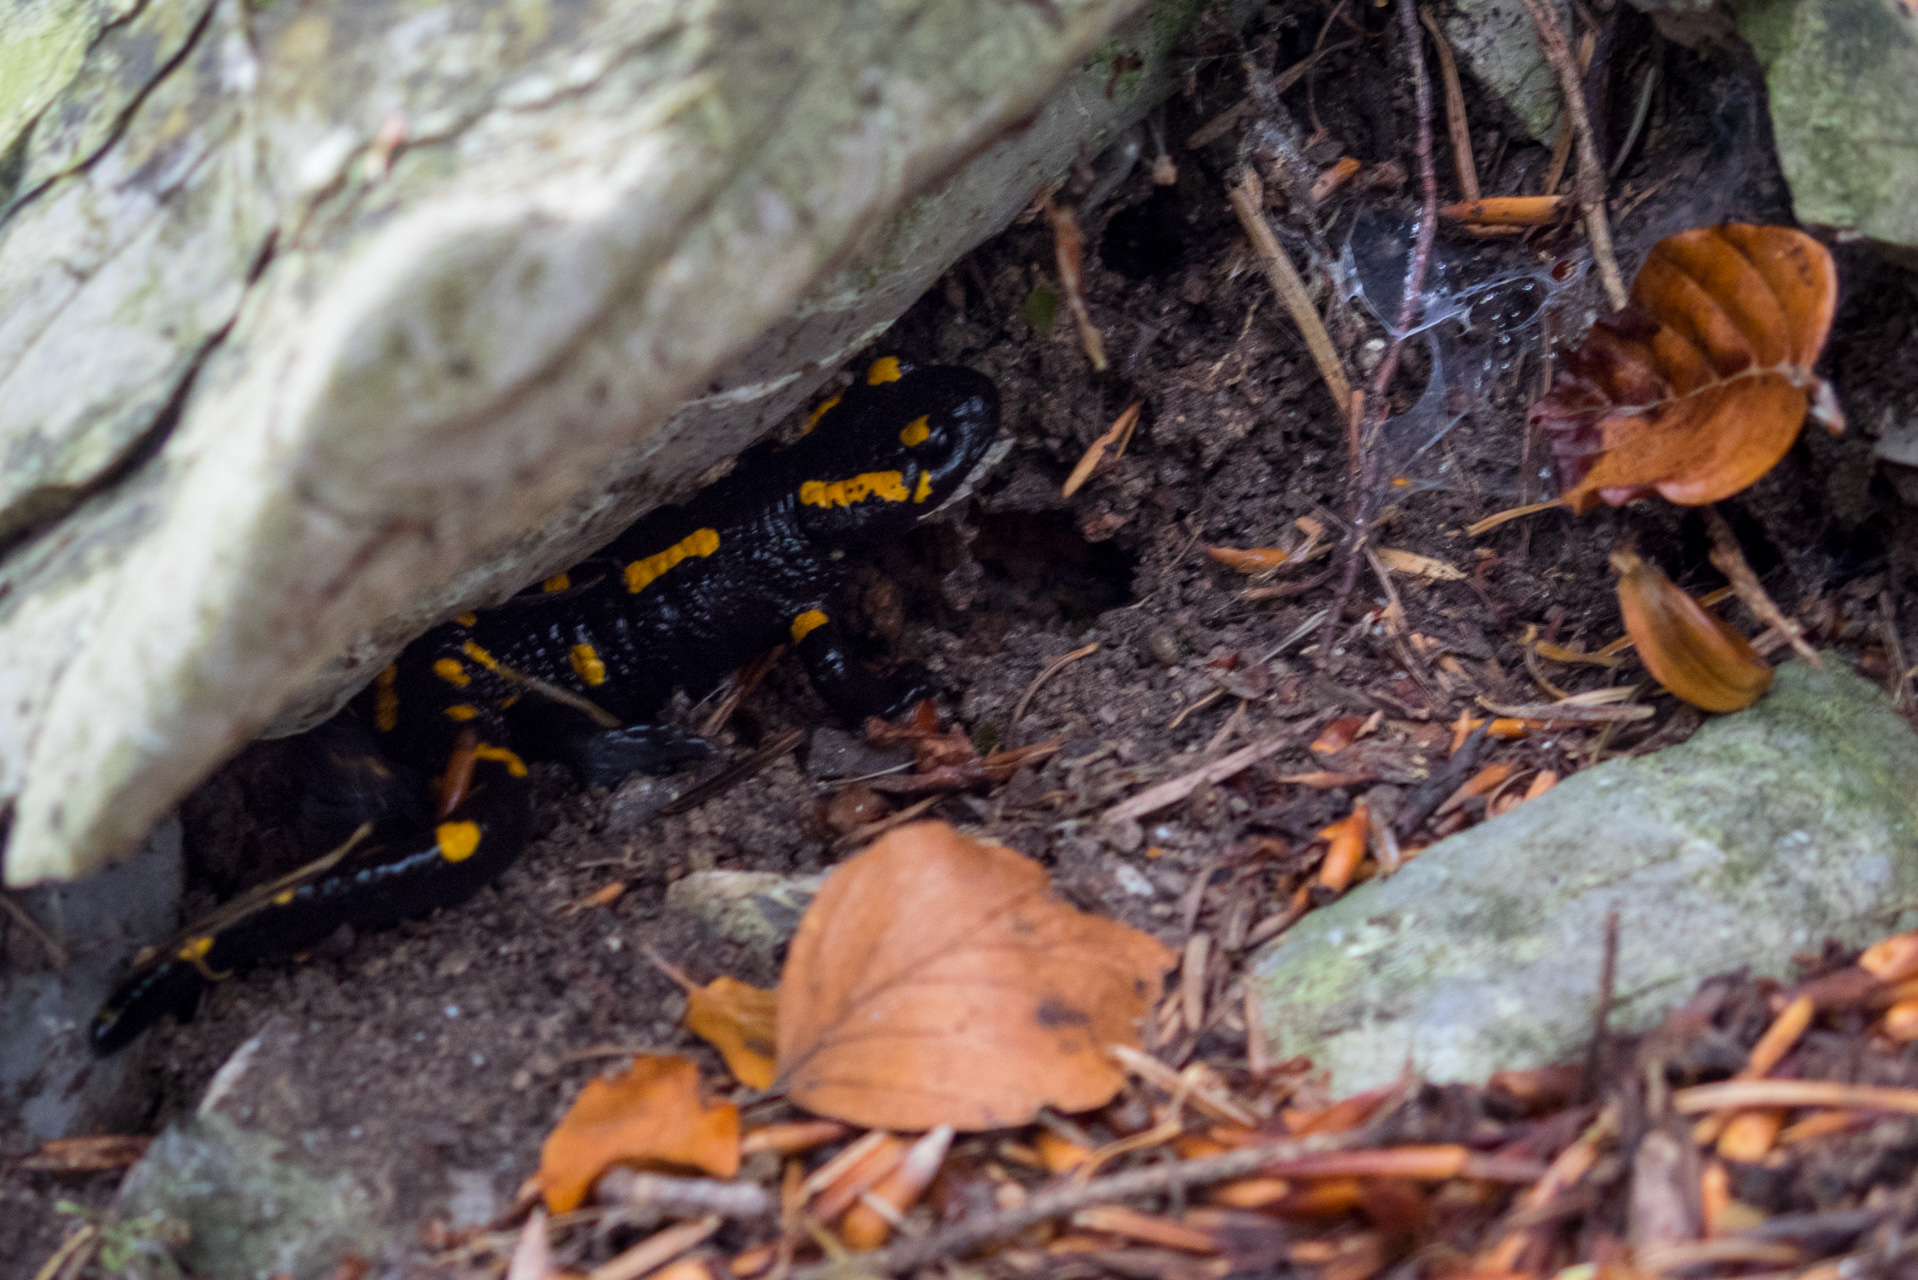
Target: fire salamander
(574,669)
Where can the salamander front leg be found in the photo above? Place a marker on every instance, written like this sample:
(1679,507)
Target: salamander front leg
(845,685)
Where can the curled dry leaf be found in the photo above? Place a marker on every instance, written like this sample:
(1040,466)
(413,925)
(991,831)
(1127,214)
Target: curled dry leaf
(739,1021)
(651,1115)
(1683,644)
(1701,383)
(936,980)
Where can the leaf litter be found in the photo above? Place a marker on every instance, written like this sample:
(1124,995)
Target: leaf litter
(1235,825)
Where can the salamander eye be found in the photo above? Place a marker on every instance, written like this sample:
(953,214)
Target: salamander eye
(915,433)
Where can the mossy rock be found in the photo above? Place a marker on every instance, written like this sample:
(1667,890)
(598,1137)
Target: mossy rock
(321,321)
(1767,833)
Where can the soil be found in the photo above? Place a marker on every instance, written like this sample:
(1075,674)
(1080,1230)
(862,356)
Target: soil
(470,1032)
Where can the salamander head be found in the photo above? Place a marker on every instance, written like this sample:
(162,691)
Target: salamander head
(892,448)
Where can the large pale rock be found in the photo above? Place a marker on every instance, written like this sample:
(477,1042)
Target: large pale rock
(1840,77)
(320,321)
(1764,835)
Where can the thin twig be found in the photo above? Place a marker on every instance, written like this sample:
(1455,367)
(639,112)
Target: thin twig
(1154,798)
(1895,650)
(1172,1176)
(732,775)
(1601,1012)
(1248,197)
(1455,122)
(55,952)
(1591,173)
(1730,559)
(1367,481)
(1052,669)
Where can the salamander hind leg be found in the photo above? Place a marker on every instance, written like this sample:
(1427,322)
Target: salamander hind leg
(478,826)
(845,685)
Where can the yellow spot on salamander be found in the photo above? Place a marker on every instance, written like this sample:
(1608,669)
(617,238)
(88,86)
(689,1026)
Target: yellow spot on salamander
(558,582)
(386,700)
(915,433)
(283,898)
(640,574)
(825,407)
(480,655)
(461,711)
(924,490)
(467,619)
(458,840)
(807,623)
(194,953)
(450,670)
(587,664)
(889,485)
(515,766)
(884,369)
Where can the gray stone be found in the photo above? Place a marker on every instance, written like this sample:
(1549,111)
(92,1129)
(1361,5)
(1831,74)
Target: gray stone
(834,753)
(51,1084)
(1765,834)
(1839,76)
(759,910)
(1495,39)
(265,1185)
(321,321)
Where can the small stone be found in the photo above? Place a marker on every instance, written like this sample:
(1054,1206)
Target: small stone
(834,753)
(758,910)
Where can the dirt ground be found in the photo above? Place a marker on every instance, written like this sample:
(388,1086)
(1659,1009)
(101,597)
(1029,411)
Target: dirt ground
(471,1031)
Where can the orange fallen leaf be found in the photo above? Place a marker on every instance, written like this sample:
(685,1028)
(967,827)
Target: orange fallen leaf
(651,1116)
(873,1158)
(1338,735)
(1485,780)
(1750,1134)
(936,980)
(1701,383)
(1901,1021)
(1331,179)
(1248,559)
(1685,646)
(739,1021)
(1346,847)
(1059,1155)
(1891,959)
(866,1227)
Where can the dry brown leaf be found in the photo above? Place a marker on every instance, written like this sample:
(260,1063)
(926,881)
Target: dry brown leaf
(1683,644)
(1249,559)
(936,980)
(738,1020)
(650,1116)
(1701,383)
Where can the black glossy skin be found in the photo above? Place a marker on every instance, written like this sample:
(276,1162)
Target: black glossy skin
(495,688)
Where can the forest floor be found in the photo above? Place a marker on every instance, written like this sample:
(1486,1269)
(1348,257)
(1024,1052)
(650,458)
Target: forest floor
(471,1032)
